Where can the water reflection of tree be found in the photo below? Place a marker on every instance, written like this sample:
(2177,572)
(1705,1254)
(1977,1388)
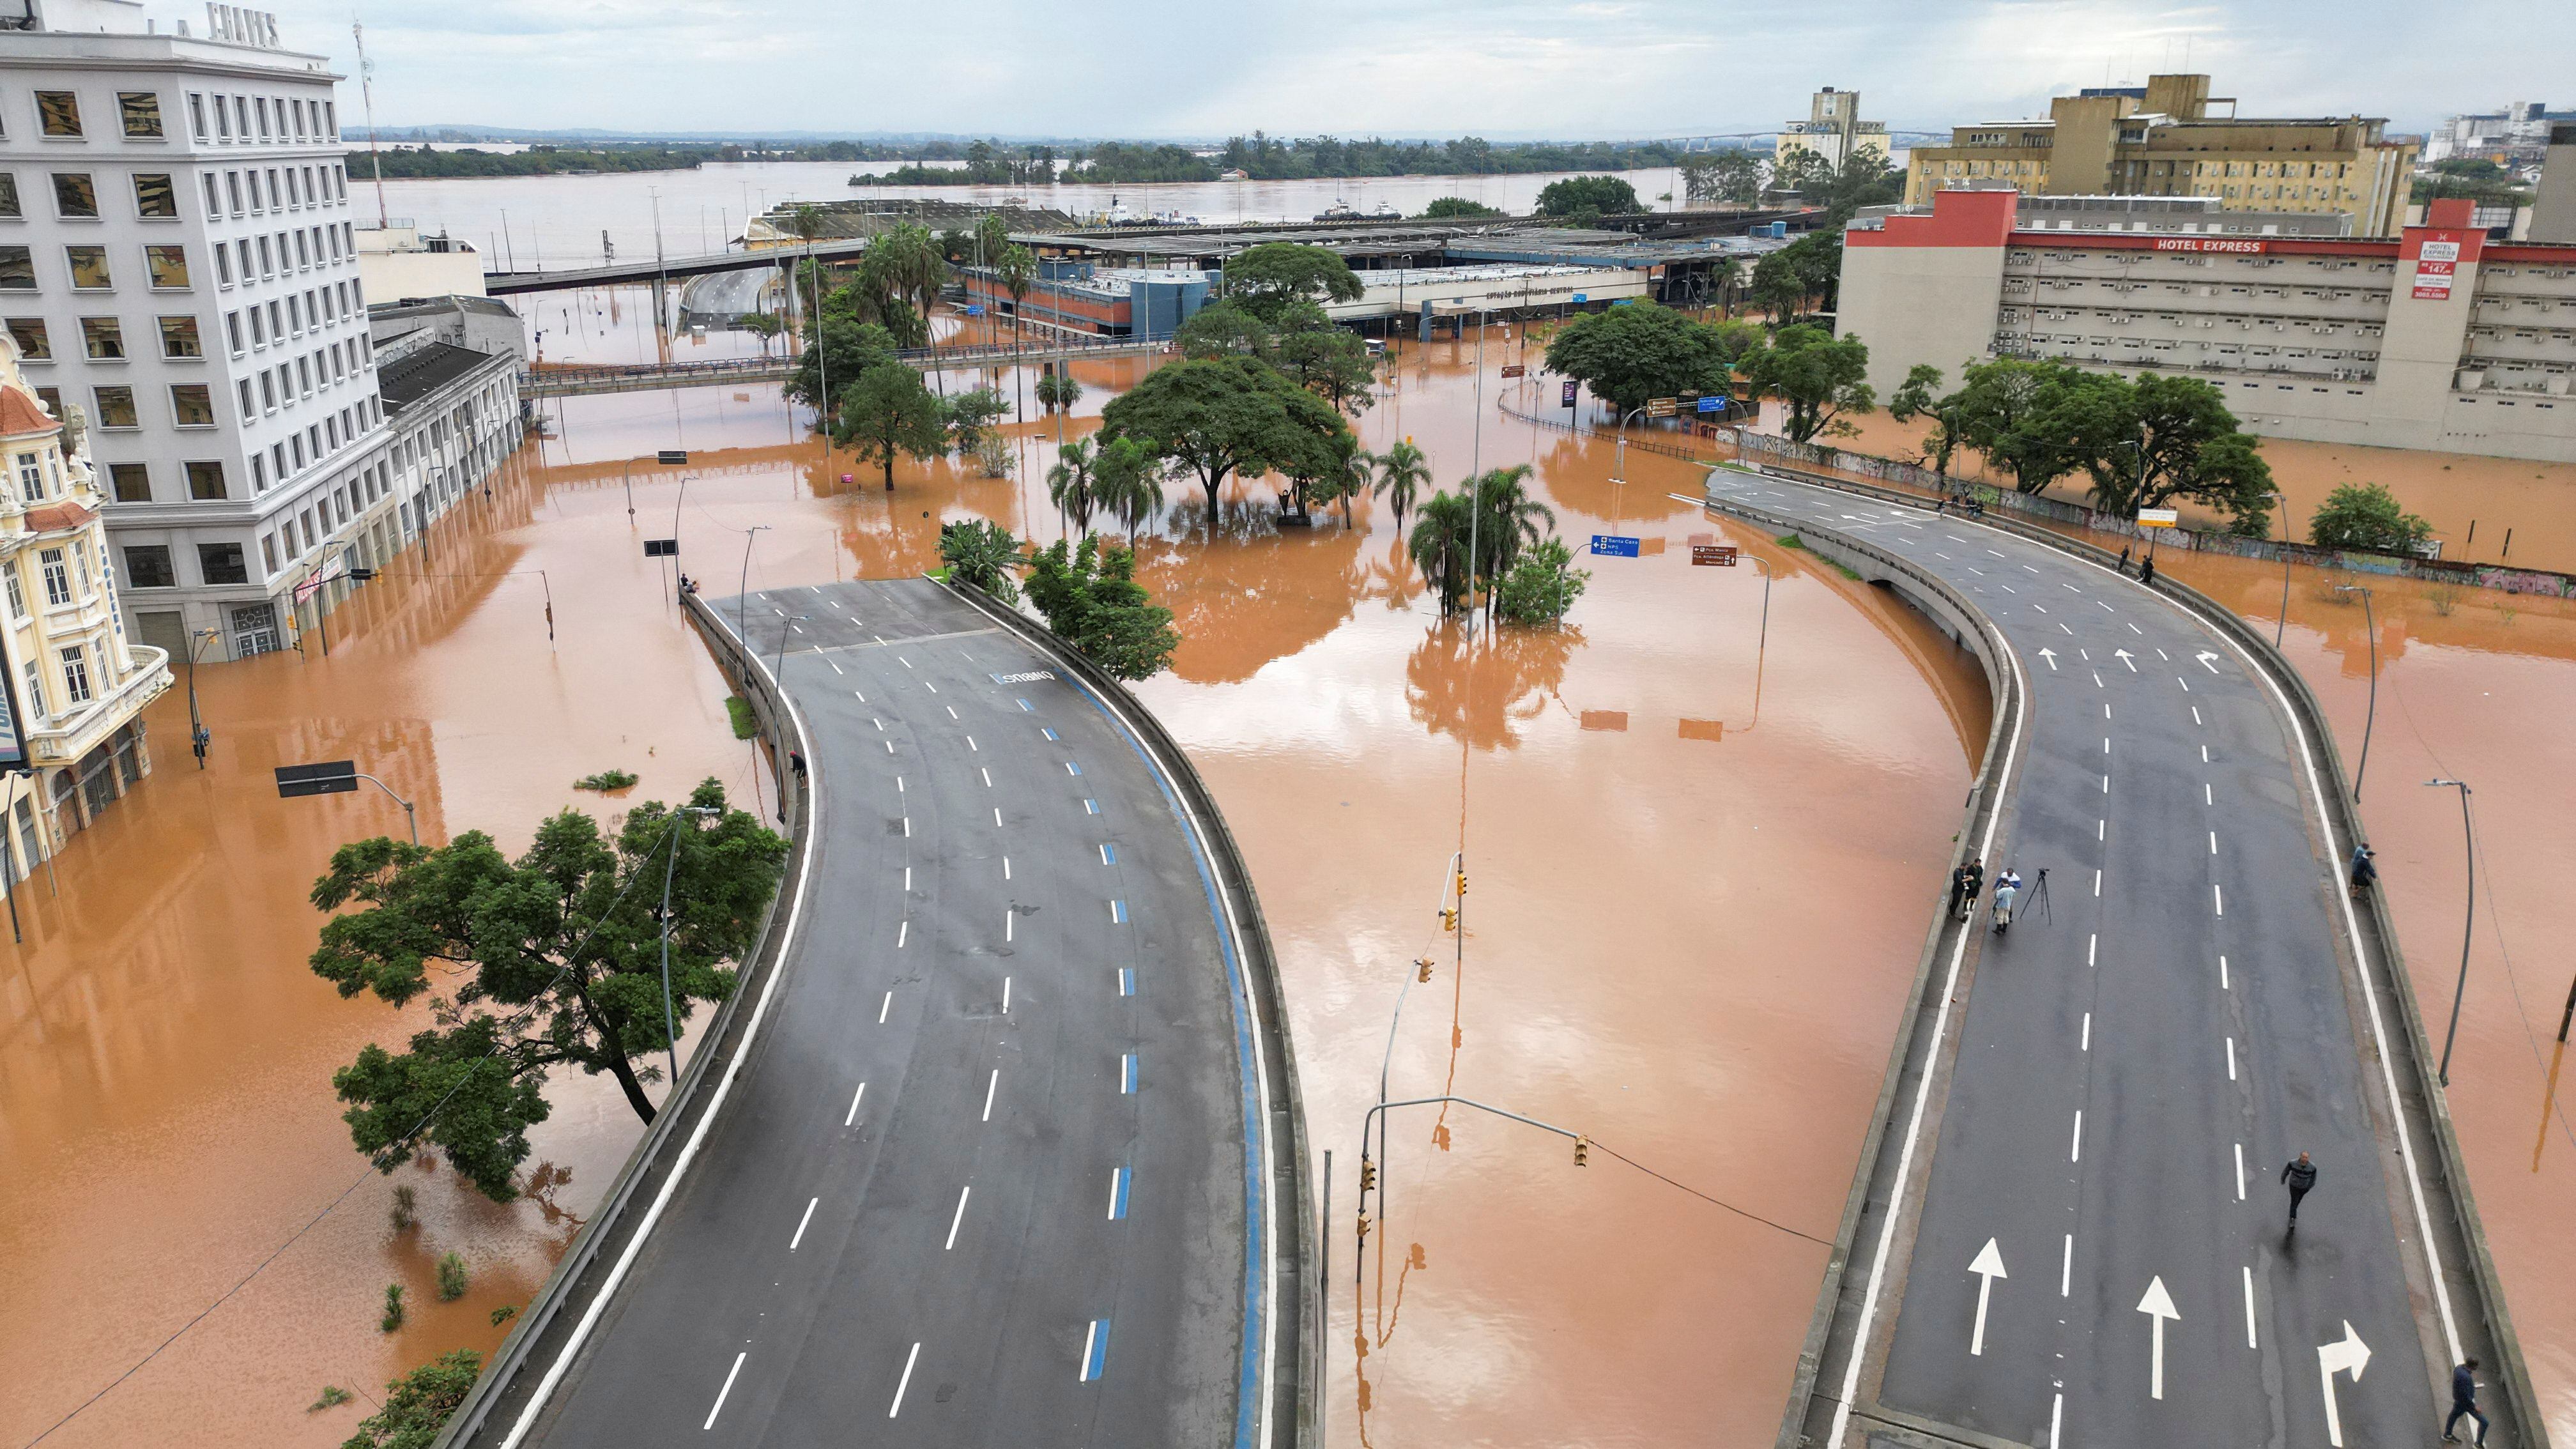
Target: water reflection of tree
(1479,690)
(1394,581)
(1247,592)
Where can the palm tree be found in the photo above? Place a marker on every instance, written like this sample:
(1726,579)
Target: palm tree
(1352,479)
(1127,481)
(1402,471)
(806,220)
(1017,273)
(1439,546)
(1072,484)
(1511,519)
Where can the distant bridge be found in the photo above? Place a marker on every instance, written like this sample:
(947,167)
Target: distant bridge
(556,381)
(627,274)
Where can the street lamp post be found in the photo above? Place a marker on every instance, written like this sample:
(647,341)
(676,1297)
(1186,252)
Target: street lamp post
(198,737)
(670,1023)
(742,593)
(2371,627)
(1619,457)
(2281,625)
(2468,926)
(778,671)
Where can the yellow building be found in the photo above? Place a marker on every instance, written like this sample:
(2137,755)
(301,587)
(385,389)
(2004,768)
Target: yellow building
(73,741)
(2161,139)
(1833,130)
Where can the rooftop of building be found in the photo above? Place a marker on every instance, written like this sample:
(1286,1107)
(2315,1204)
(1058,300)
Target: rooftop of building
(21,415)
(429,306)
(416,374)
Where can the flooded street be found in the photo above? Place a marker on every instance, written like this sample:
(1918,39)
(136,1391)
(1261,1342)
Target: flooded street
(1700,876)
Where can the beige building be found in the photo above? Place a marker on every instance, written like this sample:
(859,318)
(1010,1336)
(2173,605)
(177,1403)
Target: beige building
(76,683)
(395,262)
(1833,130)
(2162,139)
(2434,339)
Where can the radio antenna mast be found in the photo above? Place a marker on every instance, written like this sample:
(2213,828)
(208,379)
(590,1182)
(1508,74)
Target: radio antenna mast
(367,89)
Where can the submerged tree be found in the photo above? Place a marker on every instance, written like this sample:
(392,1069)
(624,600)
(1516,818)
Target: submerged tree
(1091,599)
(564,942)
(983,553)
(888,411)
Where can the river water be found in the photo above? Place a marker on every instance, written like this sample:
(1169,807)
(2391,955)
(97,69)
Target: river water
(1700,875)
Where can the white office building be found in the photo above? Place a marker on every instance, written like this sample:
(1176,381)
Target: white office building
(180,274)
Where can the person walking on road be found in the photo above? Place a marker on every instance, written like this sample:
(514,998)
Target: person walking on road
(2124,560)
(2301,1175)
(2464,1400)
(2007,890)
(1964,885)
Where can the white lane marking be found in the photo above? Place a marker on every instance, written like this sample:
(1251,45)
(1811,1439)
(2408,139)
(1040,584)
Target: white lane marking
(2217,899)
(880,724)
(1117,913)
(1126,981)
(952,711)
(860,695)
(1090,807)
(2075,1149)
(2106,744)
(958,1218)
(933,688)
(905,1382)
(2106,784)
(907,879)
(2097,885)
(1127,1075)
(2185,683)
(2231,1059)
(1117,1181)
(2106,606)
(2027,568)
(2097,680)
(886,1006)
(2209,796)
(2222,975)
(970,744)
(905,662)
(898,785)
(907,827)
(2066,1269)
(889,747)
(992,1084)
(2090,942)
(2204,754)
(727,1389)
(1010,915)
(1996,552)
(2101,829)
(2062,626)
(902,933)
(2007,588)
(1090,1341)
(987,774)
(1954,538)
(1105,857)
(1980,573)
(2249,1308)
(855,1099)
(880,638)
(2043,608)
(2070,588)
(2195,714)
(2240,1172)
(836,669)
(2134,629)
(1006,867)
(800,1225)
(2213,835)
(997,817)
(1006,996)
(2087,1043)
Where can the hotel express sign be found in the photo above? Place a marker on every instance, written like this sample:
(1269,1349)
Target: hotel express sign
(2242,245)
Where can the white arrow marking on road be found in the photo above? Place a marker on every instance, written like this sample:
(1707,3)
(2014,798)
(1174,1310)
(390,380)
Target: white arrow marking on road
(2158,1305)
(2204,657)
(2335,1358)
(1988,1267)
(2123,656)
(2051,656)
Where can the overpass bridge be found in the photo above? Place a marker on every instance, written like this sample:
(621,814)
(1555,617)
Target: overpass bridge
(644,270)
(2067,1225)
(568,381)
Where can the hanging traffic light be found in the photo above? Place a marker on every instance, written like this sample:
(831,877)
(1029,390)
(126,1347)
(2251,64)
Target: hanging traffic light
(1448,920)
(1368,1175)
(1425,973)
(1582,1151)
(1462,881)
(1364,1228)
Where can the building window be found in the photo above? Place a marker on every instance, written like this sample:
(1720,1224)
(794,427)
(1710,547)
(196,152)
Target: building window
(206,480)
(58,578)
(197,115)
(168,263)
(35,683)
(223,266)
(268,550)
(155,197)
(147,566)
(141,112)
(179,338)
(233,332)
(192,405)
(222,563)
(131,482)
(17,592)
(17,269)
(267,391)
(115,407)
(58,113)
(89,268)
(75,675)
(75,195)
(103,339)
(259,108)
(31,476)
(34,344)
(9,195)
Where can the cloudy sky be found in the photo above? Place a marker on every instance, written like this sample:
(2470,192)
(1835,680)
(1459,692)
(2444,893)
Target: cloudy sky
(1499,68)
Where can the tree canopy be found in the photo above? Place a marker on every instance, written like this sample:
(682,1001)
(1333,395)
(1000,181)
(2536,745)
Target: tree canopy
(1818,377)
(981,552)
(1729,176)
(1585,198)
(888,410)
(842,348)
(1091,599)
(2367,518)
(1629,354)
(1457,208)
(418,1405)
(1223,416)
(1799,277)
(565,940)
(1266,280)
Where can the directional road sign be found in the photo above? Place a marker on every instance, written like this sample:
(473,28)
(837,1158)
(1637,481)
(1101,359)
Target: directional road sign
(1612,545)
(329,777)
(1713,555)
(1661,407)
(2158,517)
(1712,404)
(1513,369)
(661,547)
(672,455)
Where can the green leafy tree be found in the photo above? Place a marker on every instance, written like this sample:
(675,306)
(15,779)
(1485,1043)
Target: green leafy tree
(1510,518)
(1542,586)
(2366,518)
(1800,276)
(1322,358)
(888,411)
(564,940)
(1017,272)
(992,238)
(904,265)
(981,552)
(1588,198)
(1457,208)
(1069,484)
(1725,176)
(1819,377)
(970,417)
(1263,280)
(1440,543)
(2149,442)
(1057,389)
(841,350)
(1919,396)
(1127,481)
(1222,417)
(1629,354)
(764,325)
(418,1404)
(2003,409)
(1222,329)
(1402,473)
(1091,599)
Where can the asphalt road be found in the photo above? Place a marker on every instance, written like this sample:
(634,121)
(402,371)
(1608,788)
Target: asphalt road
(983,1180)
(2141,1054)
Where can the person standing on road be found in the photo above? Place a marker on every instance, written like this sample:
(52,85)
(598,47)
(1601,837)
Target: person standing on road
(2464,1400)
(2301,1175)
(2364,871)
(1964,885)
(2147,569)
(2007,890)
(2124,560)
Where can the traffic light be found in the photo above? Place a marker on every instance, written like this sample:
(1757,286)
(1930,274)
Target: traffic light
(1364,1228)
(1368,1175)
(1582,1151)
(1425,973)
(1462,882)
(1448,920)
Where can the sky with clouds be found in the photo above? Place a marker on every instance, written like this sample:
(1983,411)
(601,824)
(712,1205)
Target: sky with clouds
(1498,68)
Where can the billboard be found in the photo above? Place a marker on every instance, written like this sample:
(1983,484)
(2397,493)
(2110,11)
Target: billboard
(13,741)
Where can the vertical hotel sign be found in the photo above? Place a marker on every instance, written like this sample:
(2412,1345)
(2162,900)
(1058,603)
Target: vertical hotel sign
(13,740)
(2435,265)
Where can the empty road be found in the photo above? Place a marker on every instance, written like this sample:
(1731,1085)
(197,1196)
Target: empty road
(2097,1249)
(990,1175)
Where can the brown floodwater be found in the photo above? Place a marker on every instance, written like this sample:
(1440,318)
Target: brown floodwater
(1699,882)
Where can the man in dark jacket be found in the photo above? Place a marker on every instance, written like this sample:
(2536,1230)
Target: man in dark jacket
(2300,1175)
(2464,1400)
(1964,885)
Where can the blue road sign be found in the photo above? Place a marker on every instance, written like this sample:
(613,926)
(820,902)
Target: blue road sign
(974,310)
(1614,545)
(1712,404)
(1579,299)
